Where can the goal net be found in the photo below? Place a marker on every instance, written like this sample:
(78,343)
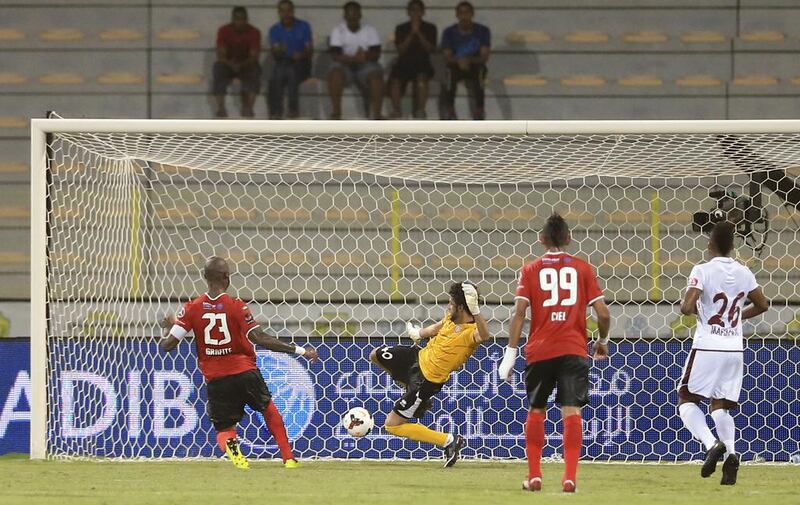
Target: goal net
(340,232)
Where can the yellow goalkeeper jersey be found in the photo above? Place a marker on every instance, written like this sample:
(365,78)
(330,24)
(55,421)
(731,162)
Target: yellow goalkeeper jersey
(448,350)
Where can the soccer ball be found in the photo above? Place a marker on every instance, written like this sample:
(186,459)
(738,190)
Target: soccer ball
(358,422)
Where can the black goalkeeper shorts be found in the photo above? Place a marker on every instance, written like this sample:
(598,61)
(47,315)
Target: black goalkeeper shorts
(569,374)
(227,397)
(403,365)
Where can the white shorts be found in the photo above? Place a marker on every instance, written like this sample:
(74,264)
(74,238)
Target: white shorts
(713,375)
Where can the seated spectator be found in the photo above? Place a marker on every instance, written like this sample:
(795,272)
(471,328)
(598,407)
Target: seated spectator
(291,44)
(465,47)
(415,41)
(238,46)
(355,48)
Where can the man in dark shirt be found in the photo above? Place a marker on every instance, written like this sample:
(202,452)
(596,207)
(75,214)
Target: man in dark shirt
(292,45)
(415,41)
(238,46)
(465,47)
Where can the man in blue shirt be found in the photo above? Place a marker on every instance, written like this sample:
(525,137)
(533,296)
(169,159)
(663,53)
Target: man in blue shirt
(292,46)
(465,47)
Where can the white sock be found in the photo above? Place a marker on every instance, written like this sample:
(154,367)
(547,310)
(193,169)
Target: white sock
(726,429)
(449,440)
(695,421)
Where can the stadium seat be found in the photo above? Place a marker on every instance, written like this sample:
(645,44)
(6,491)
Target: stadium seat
(703,37)
(796,82)
(61,79)
(583,80)
(178,34)
(13,122)
(755,80)
(698,80)
(587,37)
(10,78)
(525,80)
(120,35)
(641,80)
(763,36)
(62,35)
(8,34)
(13,167)
(645,37)
(120,78)
(14,258)
(179,79)
(528,37)
(14,215)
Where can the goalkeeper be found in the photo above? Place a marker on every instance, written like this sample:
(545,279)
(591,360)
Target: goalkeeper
(423,372)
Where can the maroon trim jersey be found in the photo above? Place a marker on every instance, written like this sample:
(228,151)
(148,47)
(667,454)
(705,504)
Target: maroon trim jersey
(220,327)
(558,287)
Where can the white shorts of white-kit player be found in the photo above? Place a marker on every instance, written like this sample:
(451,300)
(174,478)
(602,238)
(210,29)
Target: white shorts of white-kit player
(712,375)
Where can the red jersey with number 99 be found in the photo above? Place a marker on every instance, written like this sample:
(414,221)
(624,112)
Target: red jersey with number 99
(220,327)
(558,287)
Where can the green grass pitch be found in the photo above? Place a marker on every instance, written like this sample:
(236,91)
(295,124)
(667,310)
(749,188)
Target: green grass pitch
(408,483)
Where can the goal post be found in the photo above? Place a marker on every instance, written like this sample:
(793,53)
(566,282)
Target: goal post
(341,230)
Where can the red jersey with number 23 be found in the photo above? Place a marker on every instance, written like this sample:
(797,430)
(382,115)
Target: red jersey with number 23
(558,287)
(220,327)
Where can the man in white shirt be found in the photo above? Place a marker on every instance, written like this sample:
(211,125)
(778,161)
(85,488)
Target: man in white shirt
(717,293)
(355,48)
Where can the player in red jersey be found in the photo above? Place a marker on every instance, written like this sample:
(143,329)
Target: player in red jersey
(225,332)
(558,287)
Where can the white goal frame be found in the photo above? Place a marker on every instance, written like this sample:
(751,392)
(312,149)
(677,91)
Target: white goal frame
(40,128)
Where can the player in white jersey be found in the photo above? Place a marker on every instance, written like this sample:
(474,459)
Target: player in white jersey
(717,293)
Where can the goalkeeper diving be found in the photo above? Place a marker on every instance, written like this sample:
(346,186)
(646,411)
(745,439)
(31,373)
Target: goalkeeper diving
(424,371)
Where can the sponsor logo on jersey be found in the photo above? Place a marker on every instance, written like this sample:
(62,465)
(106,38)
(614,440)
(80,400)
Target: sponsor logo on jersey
(207,305)
(457,329)
(693,282)
(219,306)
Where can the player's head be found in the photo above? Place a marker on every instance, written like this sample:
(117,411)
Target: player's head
(415,9)
(721,240)
(352,14)
(217,273)
(285,10)
(239,17)
(464,12)
(555,233)
(458,304)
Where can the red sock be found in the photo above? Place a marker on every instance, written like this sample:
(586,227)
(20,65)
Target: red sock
(278,431)
(222,438)
(534,442)
(573,439)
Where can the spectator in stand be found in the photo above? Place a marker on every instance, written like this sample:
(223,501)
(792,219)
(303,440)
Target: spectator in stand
(292,46)
(415,41)
(355,48)
(465,47)
(238,47)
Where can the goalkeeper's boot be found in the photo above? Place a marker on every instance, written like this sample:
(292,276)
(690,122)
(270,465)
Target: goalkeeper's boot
(532,484)
(235,454)
(729,470)
(453,450)
(291,464)
(712,458)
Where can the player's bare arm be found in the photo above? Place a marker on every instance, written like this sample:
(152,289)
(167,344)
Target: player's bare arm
(259,337)
(689,304)
(759,304)
(603,316)
(168,341)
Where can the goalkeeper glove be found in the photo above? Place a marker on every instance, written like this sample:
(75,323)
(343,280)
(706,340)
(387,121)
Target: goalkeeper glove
(507,365)
(471,296)
(413,332)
